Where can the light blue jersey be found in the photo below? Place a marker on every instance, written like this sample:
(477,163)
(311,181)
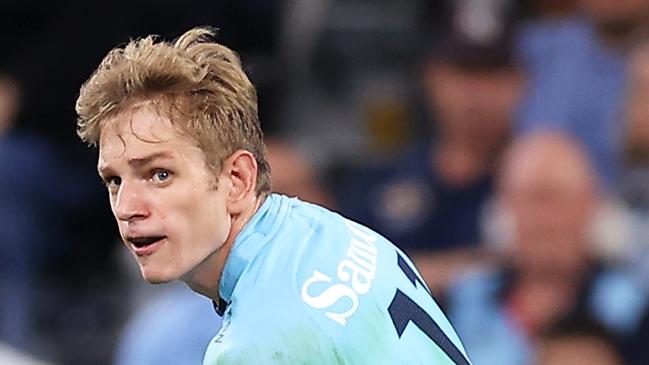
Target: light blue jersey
(303,285)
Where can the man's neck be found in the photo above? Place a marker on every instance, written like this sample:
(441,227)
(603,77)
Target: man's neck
(205,279)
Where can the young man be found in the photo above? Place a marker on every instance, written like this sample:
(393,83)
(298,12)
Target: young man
(181,153)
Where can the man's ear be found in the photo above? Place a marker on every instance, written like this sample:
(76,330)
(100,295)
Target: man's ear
(241,170)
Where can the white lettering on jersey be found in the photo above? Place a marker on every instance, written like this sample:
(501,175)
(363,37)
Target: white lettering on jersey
(358,269)
(329,297)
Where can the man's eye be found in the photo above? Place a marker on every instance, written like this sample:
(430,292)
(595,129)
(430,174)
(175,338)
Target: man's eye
(161,175)
(112,182)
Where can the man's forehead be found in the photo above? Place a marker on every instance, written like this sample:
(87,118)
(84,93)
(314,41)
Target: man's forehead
(143,122)
(137,134)
(139,125)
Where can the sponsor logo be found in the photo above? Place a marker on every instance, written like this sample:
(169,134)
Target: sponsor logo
(354,276)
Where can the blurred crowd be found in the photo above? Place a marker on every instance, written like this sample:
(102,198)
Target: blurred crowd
(504,145)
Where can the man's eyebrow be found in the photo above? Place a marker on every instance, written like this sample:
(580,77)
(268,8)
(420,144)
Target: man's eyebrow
(103,168)
(145,160)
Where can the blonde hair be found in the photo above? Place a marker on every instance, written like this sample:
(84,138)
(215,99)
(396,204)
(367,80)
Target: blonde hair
(200,81)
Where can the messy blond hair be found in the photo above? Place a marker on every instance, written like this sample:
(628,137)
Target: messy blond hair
(199,82)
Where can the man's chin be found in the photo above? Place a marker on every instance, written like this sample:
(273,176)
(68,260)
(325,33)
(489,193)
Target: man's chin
(157,277)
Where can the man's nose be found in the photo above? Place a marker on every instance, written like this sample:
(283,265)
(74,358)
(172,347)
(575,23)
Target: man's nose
(130,203)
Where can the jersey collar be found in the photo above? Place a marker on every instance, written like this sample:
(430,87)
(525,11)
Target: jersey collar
(258,232)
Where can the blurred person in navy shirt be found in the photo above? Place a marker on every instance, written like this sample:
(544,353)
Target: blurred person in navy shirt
(431,200)
(32,194)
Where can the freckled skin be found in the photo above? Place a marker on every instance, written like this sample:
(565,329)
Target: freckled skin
(174,195)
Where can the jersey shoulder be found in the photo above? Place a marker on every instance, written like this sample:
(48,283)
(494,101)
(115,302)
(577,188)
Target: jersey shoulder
(326,290)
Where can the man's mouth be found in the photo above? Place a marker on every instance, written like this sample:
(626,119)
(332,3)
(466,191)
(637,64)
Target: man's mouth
(140,242)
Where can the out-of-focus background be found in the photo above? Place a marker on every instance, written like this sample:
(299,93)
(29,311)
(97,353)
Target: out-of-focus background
(504,145)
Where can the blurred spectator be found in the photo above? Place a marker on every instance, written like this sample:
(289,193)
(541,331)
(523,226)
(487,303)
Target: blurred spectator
(635,182)
(578,342)
(549,270)
(34,189)
(577,76)
(552,8)
(431,199)
(9,103)
(37,194)
(294,175)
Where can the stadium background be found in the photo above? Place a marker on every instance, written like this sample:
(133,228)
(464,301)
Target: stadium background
(346,90)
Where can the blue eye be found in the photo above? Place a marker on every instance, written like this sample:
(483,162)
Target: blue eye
(161,175)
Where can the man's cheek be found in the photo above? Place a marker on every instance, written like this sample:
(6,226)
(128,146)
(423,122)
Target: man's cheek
(112,210)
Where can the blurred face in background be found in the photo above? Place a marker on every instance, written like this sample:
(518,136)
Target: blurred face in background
(547,186)
(637,108)
(170,208)
(9,103)
(577,350)
(293,175)
(474,105)
(614,13)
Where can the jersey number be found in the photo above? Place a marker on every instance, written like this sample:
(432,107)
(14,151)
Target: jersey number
(403,310)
